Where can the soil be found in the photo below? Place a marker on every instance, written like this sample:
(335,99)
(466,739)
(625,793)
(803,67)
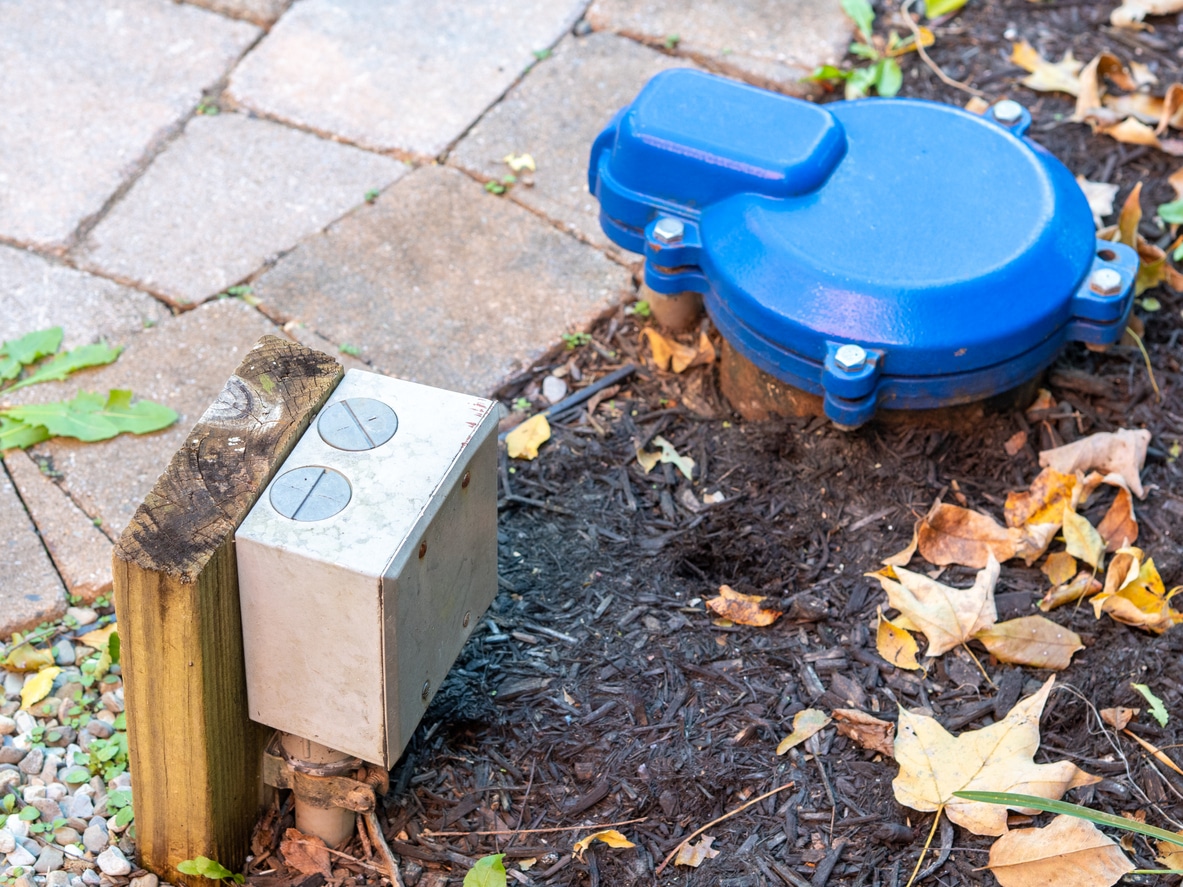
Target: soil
(599,690)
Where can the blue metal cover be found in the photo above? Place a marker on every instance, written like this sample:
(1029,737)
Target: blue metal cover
(956,252)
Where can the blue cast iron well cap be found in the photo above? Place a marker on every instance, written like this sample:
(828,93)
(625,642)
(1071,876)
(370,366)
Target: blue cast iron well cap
(958,255)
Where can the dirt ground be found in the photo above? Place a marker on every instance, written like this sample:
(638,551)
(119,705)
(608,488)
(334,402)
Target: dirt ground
(599,689)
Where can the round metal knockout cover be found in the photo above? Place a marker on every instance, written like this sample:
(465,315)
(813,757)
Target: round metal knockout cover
(890,253)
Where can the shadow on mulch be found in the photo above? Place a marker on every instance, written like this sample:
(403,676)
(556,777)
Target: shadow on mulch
(599,690)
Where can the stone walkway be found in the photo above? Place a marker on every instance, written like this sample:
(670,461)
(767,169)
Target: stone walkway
(330,155)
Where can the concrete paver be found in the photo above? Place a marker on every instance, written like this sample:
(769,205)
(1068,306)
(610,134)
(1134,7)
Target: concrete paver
(261,12)
(442,283)
(80,551)
(398,75)
(37,294)
(772,43)
(183,362)
(229,194)
(31,591)
(88,88)
(554,115)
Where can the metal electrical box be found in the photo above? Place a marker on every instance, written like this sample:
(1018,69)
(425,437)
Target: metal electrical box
(881,253)
(367,562)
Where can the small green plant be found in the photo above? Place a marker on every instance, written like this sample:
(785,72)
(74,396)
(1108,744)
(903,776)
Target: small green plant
(575,340)
(541,54)
(882,74)
(208,107)
(671,41)
(640,308)
(521,404)
(372,195)
(500,186)
(208,868)
(35,358)
(351,350)
(488,871)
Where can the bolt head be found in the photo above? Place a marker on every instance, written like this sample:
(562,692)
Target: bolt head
(311,493)
(850,358)
(669,230)
(1007,111)
(1105,282)
(356,424)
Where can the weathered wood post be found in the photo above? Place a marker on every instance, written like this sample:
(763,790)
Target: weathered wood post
(195,755)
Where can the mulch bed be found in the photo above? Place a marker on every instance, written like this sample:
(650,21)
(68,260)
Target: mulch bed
(599,690)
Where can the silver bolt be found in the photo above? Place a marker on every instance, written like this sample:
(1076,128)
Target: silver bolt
(1105,282)
(310,494)
(426,690)
(850,357)
(357,423)
(669,230)
(1007,111)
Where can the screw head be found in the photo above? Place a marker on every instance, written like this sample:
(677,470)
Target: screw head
(426,690)
(1105,282)
(1007,111)
(357,423)
(311,493)
(467,616)
(850,358)
(464,480)
(422,550)
(669,230)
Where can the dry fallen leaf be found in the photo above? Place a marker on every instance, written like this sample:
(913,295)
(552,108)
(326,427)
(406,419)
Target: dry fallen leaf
(1043,502)
(1119,527)
(805,724)
(865,730)
(673,355)
(98,638)
(1118,452)
(1170,855)
(1134,593)
(306,853)
(611,837)
(895,644)
(667,453)
(1069,850)
(934,764)
(695,854)
(1031,640)
(1045,76)
(1082,540)
(1059,567)
(743,609)
(1100,196)
(24,657)
(1015,443)
(902,557)
(1131,12)
(1091,86)
(1083,585)
(37,687)
(519,162)
(947,616)
(1117,718)
(523,442)
(950,534)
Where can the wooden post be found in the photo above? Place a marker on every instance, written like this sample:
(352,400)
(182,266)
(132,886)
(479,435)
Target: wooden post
(196,758)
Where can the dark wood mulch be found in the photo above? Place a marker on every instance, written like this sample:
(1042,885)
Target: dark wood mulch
(599,690)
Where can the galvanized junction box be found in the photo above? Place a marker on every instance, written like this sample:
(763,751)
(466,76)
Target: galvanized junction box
(367,562)
(880,253)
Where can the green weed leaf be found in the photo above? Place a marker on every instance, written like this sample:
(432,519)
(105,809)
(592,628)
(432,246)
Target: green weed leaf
(937,8)
(26,350)
(1156,707)
(1171,213)
(861,14)
(18,434)
(68,361)
(890,78)
(488,871)
(828,72)
(88,417)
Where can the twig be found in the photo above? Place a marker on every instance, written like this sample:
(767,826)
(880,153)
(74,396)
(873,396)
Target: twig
(697,832)
(536,831)
(933,66)
(379,839)
(1146,357)
(946,849)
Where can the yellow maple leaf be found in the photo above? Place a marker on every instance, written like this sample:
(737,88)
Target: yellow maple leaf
(37,687)
(895,644)
(1082,540)
(97,639)
(1134,593)
(1031,640)
(946,616)
(1120,452)
(611,837)
(1069,850)
(523,442)
(805,724)
(999,758)
(1045,76)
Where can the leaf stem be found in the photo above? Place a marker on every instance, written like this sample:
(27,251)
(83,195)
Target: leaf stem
(928,843)
(1146,357)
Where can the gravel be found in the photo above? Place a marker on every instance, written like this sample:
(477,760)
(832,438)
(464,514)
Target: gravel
(65,793)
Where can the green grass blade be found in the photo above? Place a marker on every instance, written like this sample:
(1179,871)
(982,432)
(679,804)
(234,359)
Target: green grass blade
(1094,816)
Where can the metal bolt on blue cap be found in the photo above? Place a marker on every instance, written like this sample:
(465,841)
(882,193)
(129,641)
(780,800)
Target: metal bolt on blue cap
(956,254)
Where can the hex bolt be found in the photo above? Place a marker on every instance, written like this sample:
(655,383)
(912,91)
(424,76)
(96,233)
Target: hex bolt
(311,493)
(1007,111)
(850,358)
(357,423)
(669,230)
(426,690)
(1105,282)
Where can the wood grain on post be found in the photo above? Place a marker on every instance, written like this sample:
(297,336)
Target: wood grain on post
(195,755)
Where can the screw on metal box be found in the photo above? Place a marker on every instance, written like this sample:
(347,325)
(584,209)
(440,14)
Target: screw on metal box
(1105,282)
(669,230)
(426,690)
(311,493)
(850,357)
(1007,111)
(357,423)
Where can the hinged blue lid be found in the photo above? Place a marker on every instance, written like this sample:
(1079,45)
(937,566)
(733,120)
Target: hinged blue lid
(956,254)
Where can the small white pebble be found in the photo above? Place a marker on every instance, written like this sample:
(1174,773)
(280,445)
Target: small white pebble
(112,862)
(82,615)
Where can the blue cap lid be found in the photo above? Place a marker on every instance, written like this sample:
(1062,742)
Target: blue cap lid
(956,253)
